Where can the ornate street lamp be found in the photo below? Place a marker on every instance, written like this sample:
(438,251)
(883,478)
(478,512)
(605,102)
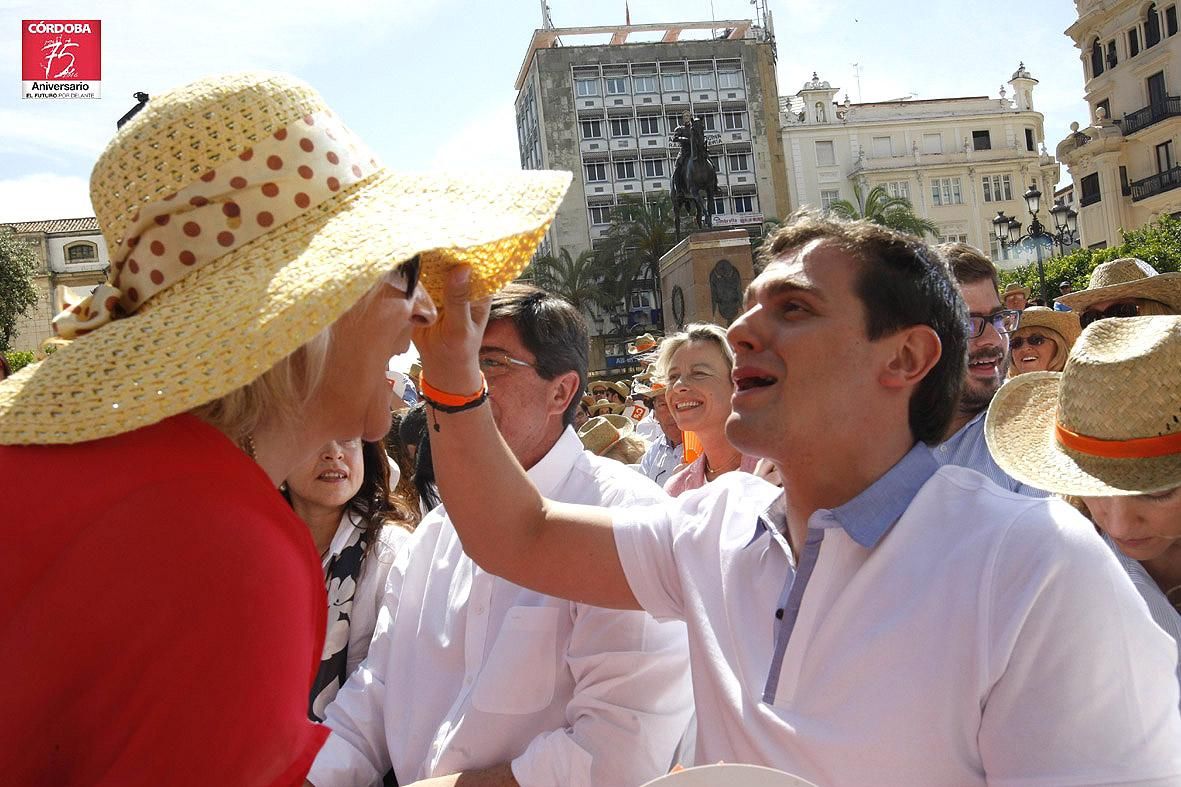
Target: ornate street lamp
(1008,231)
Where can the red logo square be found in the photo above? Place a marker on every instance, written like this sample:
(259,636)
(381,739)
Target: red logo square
(61,49)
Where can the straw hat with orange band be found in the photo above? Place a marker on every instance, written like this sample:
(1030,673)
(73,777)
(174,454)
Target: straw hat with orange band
(1109,424)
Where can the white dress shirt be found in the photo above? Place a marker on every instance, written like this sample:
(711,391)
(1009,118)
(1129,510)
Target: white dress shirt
(467,670)
(977,637)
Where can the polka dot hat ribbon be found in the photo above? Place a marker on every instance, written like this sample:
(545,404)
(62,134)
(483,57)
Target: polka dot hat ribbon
(297,168)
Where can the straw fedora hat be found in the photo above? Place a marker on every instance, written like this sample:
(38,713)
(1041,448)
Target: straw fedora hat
(603,407)
(1014,288)
(1108,424)
(645,343)
(598,385)
(620,387)
(242,218)
(1066,324)
(1126,277)
(602,432)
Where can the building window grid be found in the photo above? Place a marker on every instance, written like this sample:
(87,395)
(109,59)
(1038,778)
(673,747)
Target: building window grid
(828,197)
(667,81)
(946,191)
(654,168)
(616,86)
(649,125)
(997,188)
(898,189)
(595,172)
(738,162)
(81,251)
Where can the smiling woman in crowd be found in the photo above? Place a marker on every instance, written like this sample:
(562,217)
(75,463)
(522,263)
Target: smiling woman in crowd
(1042,341)
(164,608)
(342,492)
(695,367)
(1107,432)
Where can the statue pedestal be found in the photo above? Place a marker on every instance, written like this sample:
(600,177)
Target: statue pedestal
(703,278)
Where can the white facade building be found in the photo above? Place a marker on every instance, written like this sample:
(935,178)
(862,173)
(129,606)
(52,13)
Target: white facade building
(1125,164)
(958,160)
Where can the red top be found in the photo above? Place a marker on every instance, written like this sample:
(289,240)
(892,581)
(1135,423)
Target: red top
(161,615)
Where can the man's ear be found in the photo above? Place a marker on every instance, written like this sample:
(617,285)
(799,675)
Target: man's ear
(916,350)
(565,390)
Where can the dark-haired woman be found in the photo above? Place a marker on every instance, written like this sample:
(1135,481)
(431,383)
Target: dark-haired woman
(343,494)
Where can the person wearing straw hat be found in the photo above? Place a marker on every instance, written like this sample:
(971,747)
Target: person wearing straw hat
(1106,430)
(165,608)
(642,344)
(1042,341)
(613,437)
(664,455)
(880,618)
(1126,287)
(990,325)
(605,407)
(475,680)
(1015,296)
(617,392)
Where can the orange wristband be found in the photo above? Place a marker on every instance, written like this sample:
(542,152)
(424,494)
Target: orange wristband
(453,400)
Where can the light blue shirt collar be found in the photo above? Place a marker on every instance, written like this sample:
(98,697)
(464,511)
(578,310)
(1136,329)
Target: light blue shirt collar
(870,515)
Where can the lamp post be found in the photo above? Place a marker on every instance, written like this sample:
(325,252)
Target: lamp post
(1008,231)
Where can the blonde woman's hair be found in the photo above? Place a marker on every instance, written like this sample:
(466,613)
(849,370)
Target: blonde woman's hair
(1061,350)
(629,450)
(283,391)
(695,332)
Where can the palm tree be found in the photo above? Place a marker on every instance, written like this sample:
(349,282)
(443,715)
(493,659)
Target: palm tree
(879,207)
(578,280)
(641,232)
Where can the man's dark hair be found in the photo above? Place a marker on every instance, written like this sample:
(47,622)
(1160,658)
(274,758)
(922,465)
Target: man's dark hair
(968,265)
(901,282)
(551,329)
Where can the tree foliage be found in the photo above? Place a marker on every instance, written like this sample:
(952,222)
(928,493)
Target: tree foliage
(578,280)
(17,294)
(640,233)
(878,206)
(1157,243)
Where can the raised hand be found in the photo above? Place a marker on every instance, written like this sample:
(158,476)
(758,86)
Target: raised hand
(450,347)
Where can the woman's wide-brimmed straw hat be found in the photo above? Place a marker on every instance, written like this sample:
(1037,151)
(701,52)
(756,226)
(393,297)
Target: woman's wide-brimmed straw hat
(602,432)
(1108,424)
(1126,277)
(242,218)
(1066,324)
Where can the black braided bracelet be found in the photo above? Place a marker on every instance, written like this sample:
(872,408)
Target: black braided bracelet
(455,408)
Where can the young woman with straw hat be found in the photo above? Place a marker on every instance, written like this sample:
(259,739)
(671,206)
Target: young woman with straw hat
(1042,341)
(165,609)
(1126,287)
(1107,430)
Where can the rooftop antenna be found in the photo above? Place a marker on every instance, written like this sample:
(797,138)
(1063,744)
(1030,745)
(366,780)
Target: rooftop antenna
(857,75)
(547,23)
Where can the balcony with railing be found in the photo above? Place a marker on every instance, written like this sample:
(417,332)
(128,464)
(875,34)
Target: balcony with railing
(1157,184)
(1166,107)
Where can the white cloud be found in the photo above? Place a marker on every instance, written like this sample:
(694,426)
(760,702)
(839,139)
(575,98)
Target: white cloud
(44,196)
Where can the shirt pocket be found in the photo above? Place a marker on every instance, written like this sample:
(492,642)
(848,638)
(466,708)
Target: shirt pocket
(519,675)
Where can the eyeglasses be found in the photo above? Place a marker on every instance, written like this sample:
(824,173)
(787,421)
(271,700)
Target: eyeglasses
(1115,310)
(1004,321)
(497,364)
(1034,339)
(405,276)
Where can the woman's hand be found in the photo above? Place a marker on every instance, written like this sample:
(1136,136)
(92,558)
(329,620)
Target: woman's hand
(450,348)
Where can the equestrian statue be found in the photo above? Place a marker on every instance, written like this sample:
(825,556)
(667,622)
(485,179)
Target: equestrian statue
(695,182)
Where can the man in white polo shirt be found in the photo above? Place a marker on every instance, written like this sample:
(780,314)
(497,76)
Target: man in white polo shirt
(882,620)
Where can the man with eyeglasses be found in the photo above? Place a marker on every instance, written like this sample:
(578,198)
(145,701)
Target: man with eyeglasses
(473,679)
(990,324)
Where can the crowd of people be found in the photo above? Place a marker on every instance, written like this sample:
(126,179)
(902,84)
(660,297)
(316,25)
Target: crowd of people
(894,525)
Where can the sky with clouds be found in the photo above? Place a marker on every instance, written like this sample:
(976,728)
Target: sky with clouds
(429,83)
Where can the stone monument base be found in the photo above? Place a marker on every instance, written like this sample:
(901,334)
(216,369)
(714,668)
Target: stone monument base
(703,278)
